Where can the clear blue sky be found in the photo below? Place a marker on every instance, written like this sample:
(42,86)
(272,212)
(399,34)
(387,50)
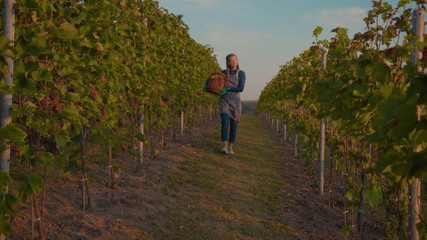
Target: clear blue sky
(265,34)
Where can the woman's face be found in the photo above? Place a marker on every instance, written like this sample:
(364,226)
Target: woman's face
(232,62)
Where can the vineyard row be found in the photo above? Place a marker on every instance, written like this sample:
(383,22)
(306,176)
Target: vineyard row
(77,69)
(363,101)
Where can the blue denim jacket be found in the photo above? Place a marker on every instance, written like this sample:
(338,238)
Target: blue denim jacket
(242,79)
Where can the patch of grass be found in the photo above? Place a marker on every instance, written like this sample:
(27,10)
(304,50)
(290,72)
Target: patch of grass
(228,196)
(174,182)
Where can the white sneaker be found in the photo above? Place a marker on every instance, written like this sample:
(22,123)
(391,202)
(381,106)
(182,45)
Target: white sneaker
(224,150)
(230,151)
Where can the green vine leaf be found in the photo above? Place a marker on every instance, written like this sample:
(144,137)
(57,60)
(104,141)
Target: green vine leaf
(13,134)
(36,183)
(47,159)
(5,180)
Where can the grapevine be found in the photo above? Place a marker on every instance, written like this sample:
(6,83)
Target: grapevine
(79,68)
(370,93)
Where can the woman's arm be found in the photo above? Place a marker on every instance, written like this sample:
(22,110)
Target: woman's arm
(241,85)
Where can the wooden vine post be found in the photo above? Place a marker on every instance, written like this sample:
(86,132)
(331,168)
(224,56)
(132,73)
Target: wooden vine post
(345,174)
(295,134)
(295,143)
(6,99)
(35,210)
(415,190)
(284,132)
(321,157)
(182,121)
(110,167)
(84,180)
(181,112)
(141,123)
(140,143)
(284,127)
(331,162)
(321,170)
(362,196)
(200,118)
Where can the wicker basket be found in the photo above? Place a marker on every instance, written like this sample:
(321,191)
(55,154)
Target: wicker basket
(217,81)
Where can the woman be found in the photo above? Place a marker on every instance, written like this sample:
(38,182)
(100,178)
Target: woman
(230,104)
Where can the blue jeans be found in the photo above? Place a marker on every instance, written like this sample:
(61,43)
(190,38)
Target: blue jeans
(227,122)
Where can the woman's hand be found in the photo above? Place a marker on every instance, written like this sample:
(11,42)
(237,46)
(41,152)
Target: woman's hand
(223,91)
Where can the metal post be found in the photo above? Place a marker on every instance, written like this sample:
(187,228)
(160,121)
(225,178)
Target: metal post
(415,206)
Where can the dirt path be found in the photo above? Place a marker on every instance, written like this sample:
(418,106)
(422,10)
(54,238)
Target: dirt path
(192,191)
(308,213)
